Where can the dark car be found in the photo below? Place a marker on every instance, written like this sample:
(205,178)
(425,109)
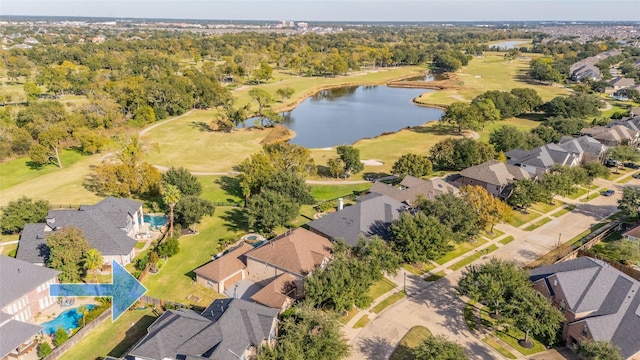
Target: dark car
(611,162)
(608,193)
(636,176)
(631,165)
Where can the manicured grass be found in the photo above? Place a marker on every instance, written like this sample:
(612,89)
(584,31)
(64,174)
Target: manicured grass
(140,245)
(18,170)
(492,72)
(176,280)
(418,269)
(545,208)
(468,260)
(435,277)
(469,317)
(380,288)
(519,218)
(496,234)
(113,338)
(411,340)
(577,192)
(537,224)
(511,337)
(329,192)
(521,124)
(567,209)
(625,180)
(8,249)
(620,172)
(388,302)
(214,188)
(591,197)
(499,348)
(460,249)
(362,322)
(507,240)
(585,233)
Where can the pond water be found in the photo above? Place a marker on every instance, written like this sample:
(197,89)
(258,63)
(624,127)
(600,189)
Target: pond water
(427,77)
(509,44)
(346,115)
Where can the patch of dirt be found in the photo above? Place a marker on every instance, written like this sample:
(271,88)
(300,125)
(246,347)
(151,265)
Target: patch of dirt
(372,162)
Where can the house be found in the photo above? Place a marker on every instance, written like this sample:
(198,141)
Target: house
(279,267)
(582,70)
(632,234)
(371,215)
(613,135)
(110,226)
(25,293)
(591,149)
(493,175)
(598,302)
(411,188)
(540,160)
(229,329)
(620,83)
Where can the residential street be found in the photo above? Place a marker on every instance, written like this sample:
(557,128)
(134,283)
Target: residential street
(435,304)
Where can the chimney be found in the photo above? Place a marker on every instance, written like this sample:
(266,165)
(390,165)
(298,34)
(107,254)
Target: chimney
(340,204)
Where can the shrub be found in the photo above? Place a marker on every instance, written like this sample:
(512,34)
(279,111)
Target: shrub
(44,350)
(60,336)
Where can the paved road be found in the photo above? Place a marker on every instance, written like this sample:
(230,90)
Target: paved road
(436,306)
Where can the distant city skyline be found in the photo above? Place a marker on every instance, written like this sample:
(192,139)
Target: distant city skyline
(335,10)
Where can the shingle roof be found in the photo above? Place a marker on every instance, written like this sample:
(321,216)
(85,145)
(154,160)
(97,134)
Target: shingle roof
(543,157)
(615,133)
(14,333)
(609,297)
(371,215)
(19,277)
(585,144)
(622,82)
(635,232)
(225,328)
(411,188)
(273,294)
(495,173)
(226,265)
(298,251)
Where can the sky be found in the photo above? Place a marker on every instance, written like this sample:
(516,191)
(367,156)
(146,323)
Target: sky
(335,10)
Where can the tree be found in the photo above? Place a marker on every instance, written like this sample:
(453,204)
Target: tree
(453,212)
(420,238)
(44,349)
(486,110)
(22,211)
(557,183)
(351,158)
(458,154)
(285,92)
(181,178)
(92,261)
(629,204)
(83,310)
(490,210)
(60,336)
(439,348)
(31,90)
(307,333)
(264,72)
(525,193)
(532,313)
(412,164)
(595,169)
(624,153)
(573,106)
(269,209)
(507,138)
(462,115)
(529,98)
(288,157)
(191,209)
(542,69)
(39,155)
(263,99)
(52,139)
(291,185)
(66,253)
(170,197)
(168,248)
(494,283)
(336,167)
(597,350)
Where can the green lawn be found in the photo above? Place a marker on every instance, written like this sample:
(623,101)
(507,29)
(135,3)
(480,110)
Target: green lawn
(435,277)
(18,171)
(362,322)
(412,339)
(625,180)
(578,191)
(418,269)
(380,288)
(175,281)
(390,300)
(468,260)
(511,337)
(567,209)
(537,224)
(9,249)
(620,172)
(498,347)
(519,218)
(460,249)
(113,339)
(496,234)
(507,240)
(591,196)
(521,124)
(545,208)
(330,192)
(221,188)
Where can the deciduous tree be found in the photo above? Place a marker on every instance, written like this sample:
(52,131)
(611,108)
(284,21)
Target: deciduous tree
(181,178)
(490,210)
(66,252)
(420,238)
(412,164)
(629,204)
(597,350)
(351,158)
(530,312)
(439,348)
(23,211)
(453,212)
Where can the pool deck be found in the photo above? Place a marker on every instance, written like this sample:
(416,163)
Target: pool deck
(55,310)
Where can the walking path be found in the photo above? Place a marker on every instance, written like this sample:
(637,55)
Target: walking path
(437,306)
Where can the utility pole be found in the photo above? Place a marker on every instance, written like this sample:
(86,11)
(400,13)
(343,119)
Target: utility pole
(404,286)
(559,237)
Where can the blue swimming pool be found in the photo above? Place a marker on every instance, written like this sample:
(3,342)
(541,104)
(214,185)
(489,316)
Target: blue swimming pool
(156,221)
(68,319)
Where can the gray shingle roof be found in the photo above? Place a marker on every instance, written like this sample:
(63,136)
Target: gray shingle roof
(226,327)
(19,277)
(412,187)
(609,297)
(543,157)
(585,144)
(495,173)
(371,215)
(14,333)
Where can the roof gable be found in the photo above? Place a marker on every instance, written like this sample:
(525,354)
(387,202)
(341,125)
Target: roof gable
(19,277)
(226,265)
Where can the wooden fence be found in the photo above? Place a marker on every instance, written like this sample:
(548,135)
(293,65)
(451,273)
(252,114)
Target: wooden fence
(629,270)
(75,338)
(588,241)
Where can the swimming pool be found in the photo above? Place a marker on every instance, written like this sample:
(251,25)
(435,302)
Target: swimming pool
(156,221)
(68,320)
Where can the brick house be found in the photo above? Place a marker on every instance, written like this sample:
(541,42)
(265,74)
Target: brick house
(493,175)
(25,293)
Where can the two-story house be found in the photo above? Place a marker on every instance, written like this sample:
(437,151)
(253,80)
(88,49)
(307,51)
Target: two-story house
(494,176)
(540,160)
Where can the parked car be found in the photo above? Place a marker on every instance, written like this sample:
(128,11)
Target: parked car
(631,165)
(607,193)
(611,162)
(636,176)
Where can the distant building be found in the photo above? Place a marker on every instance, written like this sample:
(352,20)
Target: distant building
(612,135)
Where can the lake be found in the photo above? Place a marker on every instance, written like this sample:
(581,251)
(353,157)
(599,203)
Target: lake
(346,115)
(509,44)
